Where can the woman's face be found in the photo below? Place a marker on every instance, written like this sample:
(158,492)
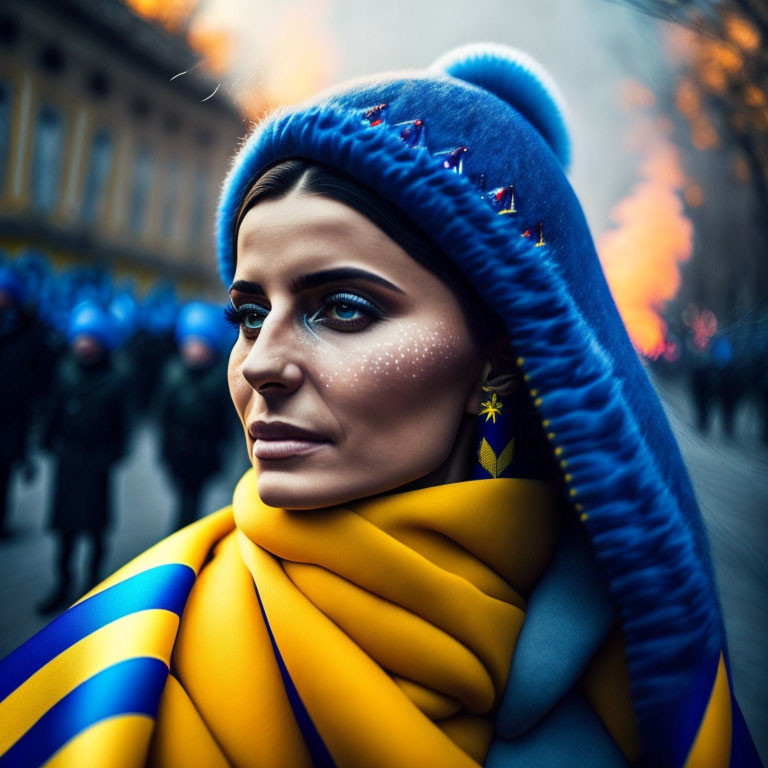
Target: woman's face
(353,365)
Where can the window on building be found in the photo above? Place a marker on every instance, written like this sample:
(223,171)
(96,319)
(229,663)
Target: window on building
(140,189)
(98,85)
(99,164)
(141,107)
(9,30)
(170,203)
(198,213)
(52,59)
(5,134)
(172,123)
(48,157)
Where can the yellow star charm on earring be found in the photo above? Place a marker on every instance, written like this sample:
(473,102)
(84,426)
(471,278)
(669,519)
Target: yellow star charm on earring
(491,408)
(495,434)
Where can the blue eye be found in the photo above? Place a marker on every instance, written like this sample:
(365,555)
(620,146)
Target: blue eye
(248,317)
(346,312)
(252,321)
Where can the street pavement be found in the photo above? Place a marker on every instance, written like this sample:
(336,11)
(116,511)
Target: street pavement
(144,506)
(730,478)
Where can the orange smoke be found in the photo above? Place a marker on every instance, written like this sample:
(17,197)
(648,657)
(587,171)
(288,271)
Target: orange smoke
(214,45)
(651,238)
(171,14)
(300,54)
(293,56)
(287,57)
(176,16)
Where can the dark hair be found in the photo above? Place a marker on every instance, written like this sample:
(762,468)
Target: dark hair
(324,181)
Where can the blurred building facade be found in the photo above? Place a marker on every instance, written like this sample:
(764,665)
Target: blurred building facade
(108,155)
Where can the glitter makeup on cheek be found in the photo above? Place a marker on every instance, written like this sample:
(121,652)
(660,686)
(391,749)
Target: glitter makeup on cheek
(411,351)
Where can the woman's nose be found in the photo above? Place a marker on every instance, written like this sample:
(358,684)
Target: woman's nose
(271,366)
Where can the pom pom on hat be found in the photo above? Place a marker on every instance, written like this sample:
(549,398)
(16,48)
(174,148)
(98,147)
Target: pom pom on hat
(519,80)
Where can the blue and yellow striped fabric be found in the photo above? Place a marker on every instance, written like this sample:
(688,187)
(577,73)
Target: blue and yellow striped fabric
(84,690)
(705,727)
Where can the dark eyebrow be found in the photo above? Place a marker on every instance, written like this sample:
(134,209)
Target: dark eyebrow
(318,278)
(246,286)
(342,273)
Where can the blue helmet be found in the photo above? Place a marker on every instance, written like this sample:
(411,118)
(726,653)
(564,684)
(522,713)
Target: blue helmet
(159,309)
(34,268)
(92,319)
(12,283)
(202,321)
(125,310)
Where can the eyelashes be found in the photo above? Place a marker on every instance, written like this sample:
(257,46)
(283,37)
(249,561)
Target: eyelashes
(232,315)
(248,317)
(340,311)
(346,312)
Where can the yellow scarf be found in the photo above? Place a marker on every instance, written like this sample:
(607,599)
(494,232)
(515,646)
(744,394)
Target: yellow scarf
(395,618)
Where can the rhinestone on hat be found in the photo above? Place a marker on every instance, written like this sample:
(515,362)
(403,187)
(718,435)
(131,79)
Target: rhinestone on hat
(502,199)
(413,134)
(376,115)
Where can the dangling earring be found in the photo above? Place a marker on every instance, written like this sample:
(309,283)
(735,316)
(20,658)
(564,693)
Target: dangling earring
(497,420)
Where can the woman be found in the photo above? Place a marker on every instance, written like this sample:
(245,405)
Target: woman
(402,253)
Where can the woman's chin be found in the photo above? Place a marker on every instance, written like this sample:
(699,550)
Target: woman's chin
(317,488)
(323,489)
(287,490)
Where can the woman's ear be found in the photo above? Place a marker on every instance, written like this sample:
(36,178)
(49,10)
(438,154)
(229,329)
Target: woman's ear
(476,394)
(500,374)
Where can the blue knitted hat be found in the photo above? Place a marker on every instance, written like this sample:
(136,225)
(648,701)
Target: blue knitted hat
(90,318)
(474,150)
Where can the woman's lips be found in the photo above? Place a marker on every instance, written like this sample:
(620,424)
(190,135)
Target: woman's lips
(278,440)
(283,449)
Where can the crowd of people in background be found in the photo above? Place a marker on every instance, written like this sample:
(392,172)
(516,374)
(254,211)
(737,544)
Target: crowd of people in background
(83,363)
(725,369)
